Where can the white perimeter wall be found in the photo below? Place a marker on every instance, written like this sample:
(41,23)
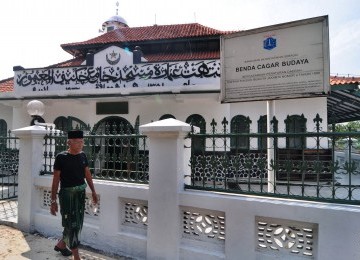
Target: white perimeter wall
(337,226)
(163,221)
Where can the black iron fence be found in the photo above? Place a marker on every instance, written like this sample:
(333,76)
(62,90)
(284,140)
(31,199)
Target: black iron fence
(318,166)
(9,165)
(117,157)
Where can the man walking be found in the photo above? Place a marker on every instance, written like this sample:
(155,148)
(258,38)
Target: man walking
(71,170)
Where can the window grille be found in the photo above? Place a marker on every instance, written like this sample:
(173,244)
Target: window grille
(295,124)
(240,124)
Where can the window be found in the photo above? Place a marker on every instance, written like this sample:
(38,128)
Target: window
(69,123)
(113,125)
(295,124)
(213,45)
(240,124)
(3,127)
(179,47)
(199,142)
(262,128)
(201,46)
(166,116)
(3,134)
(113,154)
(61,123)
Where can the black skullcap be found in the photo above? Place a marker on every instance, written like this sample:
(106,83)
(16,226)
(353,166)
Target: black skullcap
(74,134)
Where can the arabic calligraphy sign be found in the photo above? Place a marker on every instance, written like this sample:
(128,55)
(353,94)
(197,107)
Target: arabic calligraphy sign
(288,60)
(125,79)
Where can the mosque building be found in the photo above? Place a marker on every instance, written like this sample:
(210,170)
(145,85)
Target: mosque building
(136,75)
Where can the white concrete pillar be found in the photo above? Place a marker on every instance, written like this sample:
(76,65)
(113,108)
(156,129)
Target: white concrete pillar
(30,164)
(166,180)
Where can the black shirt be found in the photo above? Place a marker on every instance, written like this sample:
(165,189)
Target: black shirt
(72,168)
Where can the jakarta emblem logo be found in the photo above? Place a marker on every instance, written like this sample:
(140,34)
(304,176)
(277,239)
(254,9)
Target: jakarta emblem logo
(270,43)
(113,58)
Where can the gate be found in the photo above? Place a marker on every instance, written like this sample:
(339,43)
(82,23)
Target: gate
(9,165)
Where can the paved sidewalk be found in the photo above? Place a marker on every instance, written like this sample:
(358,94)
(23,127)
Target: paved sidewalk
(8,212)
(17,245)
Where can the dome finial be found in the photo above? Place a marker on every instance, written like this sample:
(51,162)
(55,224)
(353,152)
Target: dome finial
(117,8)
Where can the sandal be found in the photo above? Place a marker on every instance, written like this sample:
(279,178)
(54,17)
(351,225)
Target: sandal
(64,251)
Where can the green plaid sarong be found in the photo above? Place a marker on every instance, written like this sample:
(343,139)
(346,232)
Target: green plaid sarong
(72,206)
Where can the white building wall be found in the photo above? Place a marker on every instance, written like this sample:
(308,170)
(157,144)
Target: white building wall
(20,116)
(152,107)
(83,109)
(307,106)
(149,108)
(180,106)
(6,114)
(253,110)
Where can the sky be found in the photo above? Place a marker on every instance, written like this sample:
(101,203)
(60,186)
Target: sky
(32,31)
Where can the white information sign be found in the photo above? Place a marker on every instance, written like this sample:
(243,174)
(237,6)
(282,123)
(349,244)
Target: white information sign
(288,60)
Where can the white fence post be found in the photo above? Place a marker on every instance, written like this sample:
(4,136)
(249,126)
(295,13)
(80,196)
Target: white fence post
(166,180)
(31,155)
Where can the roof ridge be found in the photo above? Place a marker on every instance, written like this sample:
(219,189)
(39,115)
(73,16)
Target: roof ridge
(164,25)
(66,61)
(8,79)
(136,30)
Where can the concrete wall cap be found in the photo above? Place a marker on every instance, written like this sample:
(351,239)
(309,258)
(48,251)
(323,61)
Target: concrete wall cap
(32,130)
(166,125)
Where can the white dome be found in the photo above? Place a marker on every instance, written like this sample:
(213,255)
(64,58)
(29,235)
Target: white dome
(114,22)
(117,18)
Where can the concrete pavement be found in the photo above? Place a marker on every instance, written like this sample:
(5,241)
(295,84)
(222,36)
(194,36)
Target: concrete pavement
(17,245)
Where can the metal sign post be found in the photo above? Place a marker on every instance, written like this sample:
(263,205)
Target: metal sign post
(270,146)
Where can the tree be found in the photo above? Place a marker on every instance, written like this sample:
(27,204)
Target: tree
(353,126)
